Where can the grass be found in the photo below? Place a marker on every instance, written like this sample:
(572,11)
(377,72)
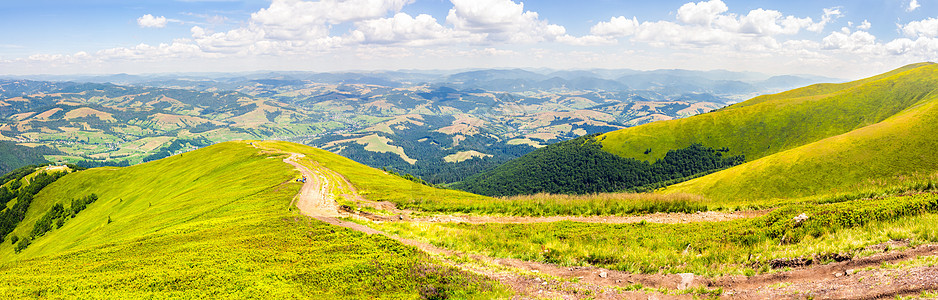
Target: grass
(769,124)
(890,151)
(604,204)
(710,248)
(818,140)
(212,223)
(377,185)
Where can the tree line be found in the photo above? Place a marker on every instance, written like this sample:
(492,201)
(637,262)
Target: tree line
(580,166)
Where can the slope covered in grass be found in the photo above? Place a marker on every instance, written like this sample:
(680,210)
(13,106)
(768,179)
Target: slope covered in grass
(374,184)
(771,124)
(820,139)
(215,221)
(899,148)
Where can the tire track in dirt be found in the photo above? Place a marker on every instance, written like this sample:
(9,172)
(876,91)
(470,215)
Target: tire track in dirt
(839,280)
(314,198)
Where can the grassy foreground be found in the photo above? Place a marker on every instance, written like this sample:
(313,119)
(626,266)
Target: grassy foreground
(377,185)
(211,223)
(710,248)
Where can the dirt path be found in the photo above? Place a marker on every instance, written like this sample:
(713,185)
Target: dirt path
(664,218)
(850,279)
(314,199)
(861,278)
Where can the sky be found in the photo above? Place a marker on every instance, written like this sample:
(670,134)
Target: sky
(843,39)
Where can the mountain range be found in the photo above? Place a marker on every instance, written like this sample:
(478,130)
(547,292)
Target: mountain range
(441,126)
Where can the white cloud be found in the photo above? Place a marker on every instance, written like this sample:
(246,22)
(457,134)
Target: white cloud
(617,27)
(859,41)
(305,20)
(923,28)
(913,5)
(829,15)
(502,21)
(701,13)
(865,25)
(415,31)
(708,24)
(149,20)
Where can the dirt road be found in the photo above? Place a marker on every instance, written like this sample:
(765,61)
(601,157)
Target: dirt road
(850,279)
(314,199)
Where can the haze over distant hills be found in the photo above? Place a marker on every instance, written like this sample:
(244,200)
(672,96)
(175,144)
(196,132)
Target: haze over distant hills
(818,139)
(439,125)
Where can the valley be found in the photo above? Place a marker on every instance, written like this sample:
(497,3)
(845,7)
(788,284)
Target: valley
(469,149)
(440,127)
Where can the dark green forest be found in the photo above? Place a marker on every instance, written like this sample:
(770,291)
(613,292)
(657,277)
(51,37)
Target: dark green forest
(580,166)
(13,156)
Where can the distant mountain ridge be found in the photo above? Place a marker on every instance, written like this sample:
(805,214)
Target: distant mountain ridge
(795,142)
(439,125)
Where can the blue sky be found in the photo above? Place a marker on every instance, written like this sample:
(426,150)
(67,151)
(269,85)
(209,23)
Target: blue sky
(847,39)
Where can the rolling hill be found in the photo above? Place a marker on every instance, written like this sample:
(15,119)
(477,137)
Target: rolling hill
(214,221)
(442,126)
(826,138)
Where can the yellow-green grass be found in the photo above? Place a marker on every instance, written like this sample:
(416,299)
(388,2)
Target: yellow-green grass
(211,223)
(900,147)
(377,185)
(771,124)
(708,248)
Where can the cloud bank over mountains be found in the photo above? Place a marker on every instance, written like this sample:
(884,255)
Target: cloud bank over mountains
(314,33)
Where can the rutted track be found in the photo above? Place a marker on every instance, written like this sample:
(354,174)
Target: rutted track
(841,280)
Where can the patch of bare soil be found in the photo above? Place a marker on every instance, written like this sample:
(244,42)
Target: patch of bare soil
(847,279)
(667,218)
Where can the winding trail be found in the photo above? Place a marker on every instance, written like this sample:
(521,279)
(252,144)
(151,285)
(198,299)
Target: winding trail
(314,199)
(851,279)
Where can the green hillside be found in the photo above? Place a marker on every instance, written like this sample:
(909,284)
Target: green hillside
(771,124)
(894,151)
(13,156)
(579,166)
(826,138)
(215,221)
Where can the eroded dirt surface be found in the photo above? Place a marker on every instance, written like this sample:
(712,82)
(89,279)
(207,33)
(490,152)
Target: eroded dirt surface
(314,198)
(860,278)
(852,278)
(667,218)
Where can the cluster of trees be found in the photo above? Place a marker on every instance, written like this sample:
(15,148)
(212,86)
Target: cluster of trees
(13,156)
(408,177)
(88,164)
(580,166)
(12,216)
(57,216)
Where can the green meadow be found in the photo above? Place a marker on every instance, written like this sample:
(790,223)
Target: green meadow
(214,222)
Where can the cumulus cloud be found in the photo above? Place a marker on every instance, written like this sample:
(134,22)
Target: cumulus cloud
(923,28)
(404,29)
(149,20)
(865,25)
(709,24)
(859,41)
(616,27)
(913,5)
(502,21)
(702,13)
(304,20)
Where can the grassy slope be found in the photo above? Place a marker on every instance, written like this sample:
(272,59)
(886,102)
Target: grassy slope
(774,123)
(900,147)
(209,222)
(743,246)
(378,185)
